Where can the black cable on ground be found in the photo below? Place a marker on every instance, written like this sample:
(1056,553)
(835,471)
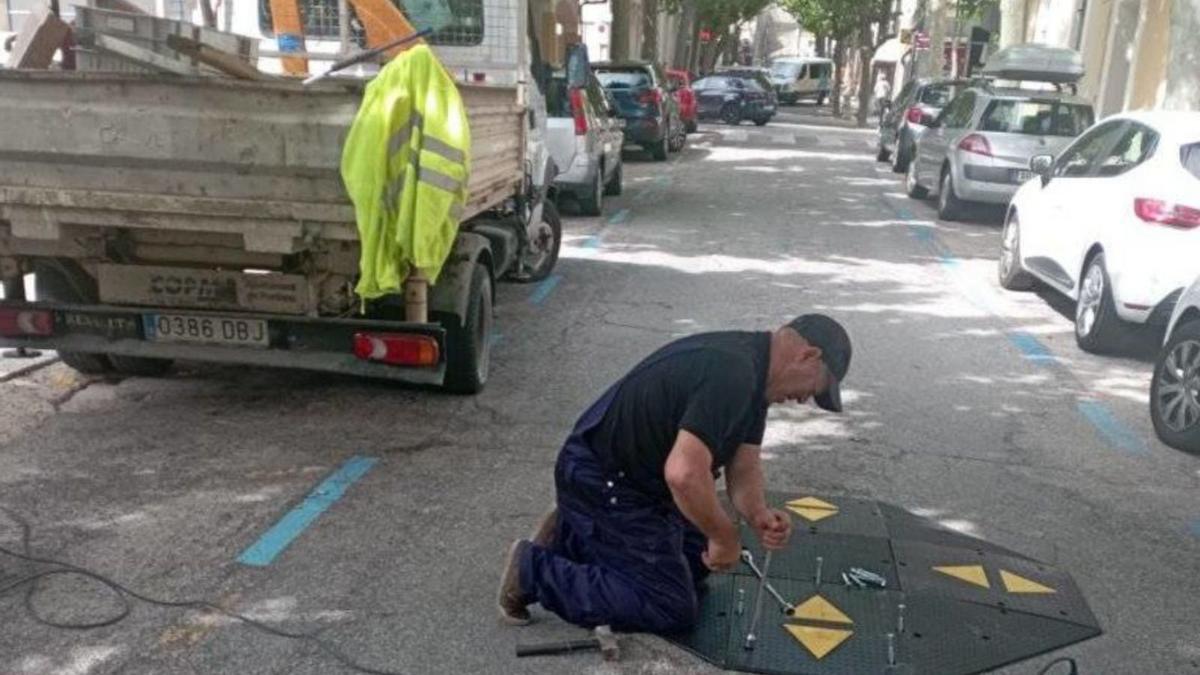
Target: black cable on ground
(1073,668)
(123,593)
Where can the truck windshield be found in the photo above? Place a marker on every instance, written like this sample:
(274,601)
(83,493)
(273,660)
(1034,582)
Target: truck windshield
(1036,118)
(788,70)
(457,23)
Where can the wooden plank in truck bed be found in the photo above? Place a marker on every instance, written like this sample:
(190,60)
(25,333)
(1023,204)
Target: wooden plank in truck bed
(207,155)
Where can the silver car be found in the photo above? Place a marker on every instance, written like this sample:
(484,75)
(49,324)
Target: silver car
(584,136)
(977,150)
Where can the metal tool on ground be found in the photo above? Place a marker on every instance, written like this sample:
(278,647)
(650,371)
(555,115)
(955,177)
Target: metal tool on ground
(366,55)
(602,639)
(751,637)
(741,602)
(748,558)
(857,577)
(817,576)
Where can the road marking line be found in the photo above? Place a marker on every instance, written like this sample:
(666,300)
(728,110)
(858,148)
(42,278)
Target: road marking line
(1112,429)
(1030,346)
(544,289)
(619,217)
(1196,528)
(262,552)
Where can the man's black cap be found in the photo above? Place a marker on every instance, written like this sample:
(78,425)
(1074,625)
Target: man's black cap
(834,342)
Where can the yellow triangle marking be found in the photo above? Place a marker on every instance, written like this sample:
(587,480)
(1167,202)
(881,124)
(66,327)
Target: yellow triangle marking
(1015,583)
(972,574)
(810,514)
(819,641)
(818,608)
(812,503)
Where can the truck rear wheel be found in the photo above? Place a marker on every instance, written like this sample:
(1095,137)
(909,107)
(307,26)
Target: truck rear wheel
(53,285)
(469,338)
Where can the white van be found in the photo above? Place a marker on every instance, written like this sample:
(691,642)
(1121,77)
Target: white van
(807,77)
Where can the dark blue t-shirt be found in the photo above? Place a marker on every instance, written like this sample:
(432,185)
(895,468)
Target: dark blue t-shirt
(711,384)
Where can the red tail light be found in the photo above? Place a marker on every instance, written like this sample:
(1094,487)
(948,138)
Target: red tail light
(578,112)
(913,115)
(976,144)
(396,348)
(651,97)
(1163,213)
(19,322)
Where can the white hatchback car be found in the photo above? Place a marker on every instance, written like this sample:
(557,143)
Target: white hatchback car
(1175,389)
(1113,223)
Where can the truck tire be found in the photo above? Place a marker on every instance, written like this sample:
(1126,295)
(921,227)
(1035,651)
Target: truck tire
(545,265)
(468,339)
(52,284)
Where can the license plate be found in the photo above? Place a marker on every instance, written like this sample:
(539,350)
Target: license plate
(211,330)
(1020,176)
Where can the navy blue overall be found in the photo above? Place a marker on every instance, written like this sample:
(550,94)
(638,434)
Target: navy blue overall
(620,557)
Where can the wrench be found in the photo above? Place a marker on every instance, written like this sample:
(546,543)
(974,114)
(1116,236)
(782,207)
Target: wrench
(748,558)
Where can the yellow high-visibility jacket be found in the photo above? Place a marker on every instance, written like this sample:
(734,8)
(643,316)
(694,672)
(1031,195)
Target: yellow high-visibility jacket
(405,165)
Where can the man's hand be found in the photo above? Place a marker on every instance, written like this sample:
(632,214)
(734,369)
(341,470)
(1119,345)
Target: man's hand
(773,528)
(723,554)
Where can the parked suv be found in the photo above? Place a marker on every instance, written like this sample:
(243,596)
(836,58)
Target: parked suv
(584,136)
(650,112)
(900,122)
(731,100)
(978,148)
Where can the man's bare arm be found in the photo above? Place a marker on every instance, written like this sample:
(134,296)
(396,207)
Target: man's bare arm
(688,473)
(744,478)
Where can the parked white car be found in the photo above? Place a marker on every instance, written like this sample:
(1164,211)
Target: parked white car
(1113,223)
(1175,389)
(584,136)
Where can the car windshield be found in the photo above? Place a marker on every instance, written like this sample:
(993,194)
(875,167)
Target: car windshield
(750,84)
(785,69)
(623,79)
(1036,118)
(1190,156)
(710,83)
(938,95)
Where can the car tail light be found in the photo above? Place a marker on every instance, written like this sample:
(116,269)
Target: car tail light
(976,144)
(651,97)
(913,115)
(1164,213)
(17,322)
(396,348)
(578,112)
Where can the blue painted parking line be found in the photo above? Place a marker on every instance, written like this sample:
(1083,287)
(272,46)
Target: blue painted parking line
(619,217)
(544,289)
(1195,528)
(1030,346)
(495,339)
(593,241)
(1112,429)
(262,552)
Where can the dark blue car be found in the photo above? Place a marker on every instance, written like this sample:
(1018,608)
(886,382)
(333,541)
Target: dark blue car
(733,99)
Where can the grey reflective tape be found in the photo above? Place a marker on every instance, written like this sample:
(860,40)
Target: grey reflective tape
(443,149)
(400,138)
(456,211)
(439,180)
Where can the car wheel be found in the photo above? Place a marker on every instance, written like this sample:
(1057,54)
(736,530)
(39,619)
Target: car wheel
(901,158)
(691,126)
(950,207)
(1098,329)
(659,150)
(1175,389)
(761,121)
(881,153)
(615,184)
(678,138)
(731,114)
(911,185)
(820,99)
(1011,275)
(592,204)
(469,339)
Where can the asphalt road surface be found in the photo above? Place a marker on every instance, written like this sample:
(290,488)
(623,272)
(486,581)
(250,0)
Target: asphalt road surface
(965,403)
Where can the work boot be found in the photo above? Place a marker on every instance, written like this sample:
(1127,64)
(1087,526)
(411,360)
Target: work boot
(547,529)
(511,599)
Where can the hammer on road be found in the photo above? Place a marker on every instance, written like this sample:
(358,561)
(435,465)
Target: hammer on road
(602,639)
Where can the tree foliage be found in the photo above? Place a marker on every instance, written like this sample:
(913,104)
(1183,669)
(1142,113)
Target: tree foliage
(837,19)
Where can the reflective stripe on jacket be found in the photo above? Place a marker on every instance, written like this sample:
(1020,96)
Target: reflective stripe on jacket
(405,165)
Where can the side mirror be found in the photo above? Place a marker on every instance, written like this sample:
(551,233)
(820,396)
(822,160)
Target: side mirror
(1042,165)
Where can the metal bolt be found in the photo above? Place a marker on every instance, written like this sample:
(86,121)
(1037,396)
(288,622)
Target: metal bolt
(613,500)
(900,618)
(741,602)
(891,639)
(820,562)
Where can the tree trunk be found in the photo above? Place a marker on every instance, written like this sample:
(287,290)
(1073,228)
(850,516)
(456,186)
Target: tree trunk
(1012,22)
(839,66)
(866,50)
(937,37)
(684,36)
(210,16)
(618,49)
(821,47)
(650,30)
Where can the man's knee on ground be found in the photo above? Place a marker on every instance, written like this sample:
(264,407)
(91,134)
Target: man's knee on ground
(674,614)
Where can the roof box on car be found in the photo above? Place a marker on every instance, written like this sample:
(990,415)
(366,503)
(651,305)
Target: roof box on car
(1037,63)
